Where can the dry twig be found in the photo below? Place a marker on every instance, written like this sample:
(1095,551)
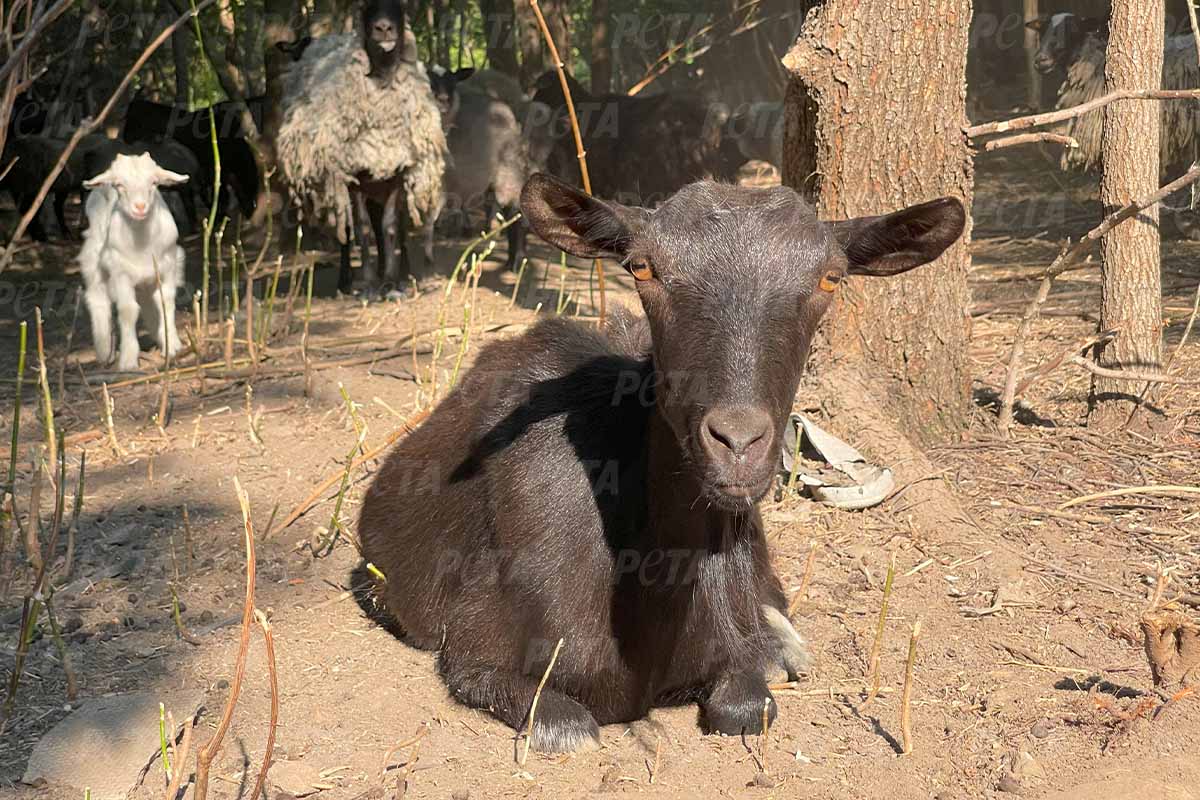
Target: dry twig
(205,756)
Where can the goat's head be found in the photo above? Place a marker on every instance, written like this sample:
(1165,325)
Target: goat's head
(136,179)
(444,84)
(1059,38)
(733,281)
(385,37)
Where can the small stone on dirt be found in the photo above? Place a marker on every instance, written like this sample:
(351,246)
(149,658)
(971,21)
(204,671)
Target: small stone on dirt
(764,781)
(106,744)
(1041,729)
(1027,768)
(1010,785)
(460,794)
(297,778)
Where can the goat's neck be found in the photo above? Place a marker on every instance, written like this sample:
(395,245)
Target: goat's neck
(678,514)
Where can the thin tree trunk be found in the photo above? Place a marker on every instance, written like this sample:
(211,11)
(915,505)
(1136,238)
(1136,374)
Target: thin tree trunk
(534,59)
(1131,279)
(499,20)
(888,133)
(181,52)
(602,60)
(1033,78)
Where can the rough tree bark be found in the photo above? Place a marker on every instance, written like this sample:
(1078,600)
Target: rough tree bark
(534,59)
(498,23)
(602,62)
(1131,279)
(881,86)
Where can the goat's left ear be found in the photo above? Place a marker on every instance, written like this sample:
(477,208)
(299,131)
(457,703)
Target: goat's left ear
(576,222)
(897,242)
(164,177)
(463,74)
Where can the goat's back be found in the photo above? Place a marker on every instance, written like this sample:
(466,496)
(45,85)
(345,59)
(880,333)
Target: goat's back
(502,498)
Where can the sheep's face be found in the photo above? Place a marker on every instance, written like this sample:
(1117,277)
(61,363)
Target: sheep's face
(733,281)
(136,180)
(383,36)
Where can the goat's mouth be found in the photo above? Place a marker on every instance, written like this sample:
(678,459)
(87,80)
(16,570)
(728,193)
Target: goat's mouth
(386,45)
(1045,66)
(735,495)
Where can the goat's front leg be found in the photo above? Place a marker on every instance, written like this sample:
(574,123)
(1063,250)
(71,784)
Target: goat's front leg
(561,724)
(163,299)
(100,310)
(735,703)
(125,297)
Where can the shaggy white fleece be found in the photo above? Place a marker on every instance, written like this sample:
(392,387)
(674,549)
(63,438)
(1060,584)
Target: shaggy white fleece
(340,124)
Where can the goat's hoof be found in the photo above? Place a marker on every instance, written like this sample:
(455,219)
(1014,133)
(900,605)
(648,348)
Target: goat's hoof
(563,725)
(736,705)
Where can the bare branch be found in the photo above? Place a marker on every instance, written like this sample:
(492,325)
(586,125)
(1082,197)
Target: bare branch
(1068,260)
(1029,138)
(1062,115)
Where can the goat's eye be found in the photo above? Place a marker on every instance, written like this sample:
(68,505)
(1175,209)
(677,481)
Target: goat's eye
(641,270)
(830,280)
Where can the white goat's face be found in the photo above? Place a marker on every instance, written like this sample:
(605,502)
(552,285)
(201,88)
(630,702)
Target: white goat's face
(136,179)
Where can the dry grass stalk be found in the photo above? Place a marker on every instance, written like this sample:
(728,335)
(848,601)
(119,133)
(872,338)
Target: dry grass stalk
(873,662)
(181,756)
(657,759)
(537,696)
(61,647)
(906,695)
(8,512)
(308,502)
(44,383)
(107,414)
(1134,490)
(802,592)
(269,640)
(205,756)
(580,153)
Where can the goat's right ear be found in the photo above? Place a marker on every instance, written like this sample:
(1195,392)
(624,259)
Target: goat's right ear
(900,241)
(1039,23)
(576,222)
(164,177)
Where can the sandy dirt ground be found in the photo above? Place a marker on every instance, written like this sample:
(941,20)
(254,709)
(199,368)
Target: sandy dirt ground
(1030,675)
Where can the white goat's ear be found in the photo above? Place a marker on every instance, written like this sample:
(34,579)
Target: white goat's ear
(106,178)
(164,177)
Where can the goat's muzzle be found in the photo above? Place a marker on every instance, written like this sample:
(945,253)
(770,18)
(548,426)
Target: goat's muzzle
(738,442)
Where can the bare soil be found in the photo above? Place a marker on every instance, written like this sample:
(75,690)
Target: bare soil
(1031,652)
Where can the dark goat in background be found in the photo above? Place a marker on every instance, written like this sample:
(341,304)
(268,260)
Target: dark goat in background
(147,121)
(639,149)
(602,489)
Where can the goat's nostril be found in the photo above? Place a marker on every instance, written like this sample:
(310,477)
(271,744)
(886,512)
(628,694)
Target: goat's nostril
(736,429)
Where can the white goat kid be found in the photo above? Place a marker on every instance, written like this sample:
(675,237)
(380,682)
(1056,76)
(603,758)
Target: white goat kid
(131,235)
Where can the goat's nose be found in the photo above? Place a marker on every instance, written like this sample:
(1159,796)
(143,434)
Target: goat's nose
(738,431)
(384,27)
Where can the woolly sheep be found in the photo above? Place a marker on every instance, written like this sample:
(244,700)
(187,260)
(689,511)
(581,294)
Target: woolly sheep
(1078,44)
(131,257)
(495,146)
(361,131)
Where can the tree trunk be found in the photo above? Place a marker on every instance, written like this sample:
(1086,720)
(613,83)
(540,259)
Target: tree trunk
(498,25)
(886,79)
(534,58)
(1033,78)
(1131,291)
(181,52)
(602,61)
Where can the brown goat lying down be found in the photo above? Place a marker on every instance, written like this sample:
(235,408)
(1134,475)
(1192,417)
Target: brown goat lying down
(602,488)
